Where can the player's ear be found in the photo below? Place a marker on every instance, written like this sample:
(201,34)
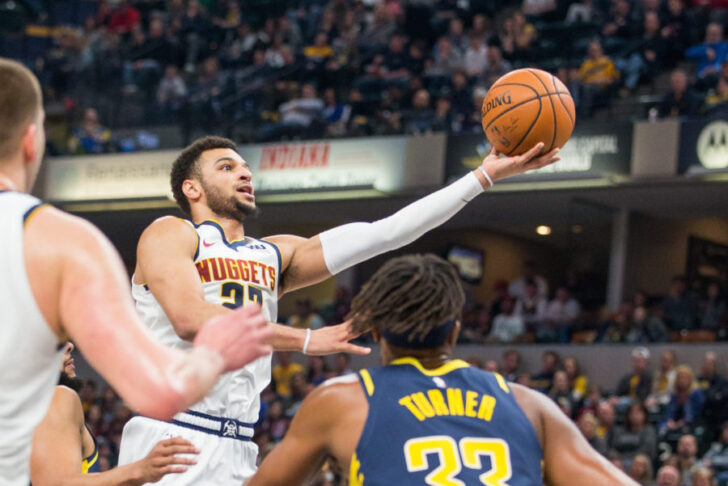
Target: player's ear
(192,189)
(28,142)
(452,338)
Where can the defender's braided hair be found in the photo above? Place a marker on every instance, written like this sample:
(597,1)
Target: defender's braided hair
(410,295)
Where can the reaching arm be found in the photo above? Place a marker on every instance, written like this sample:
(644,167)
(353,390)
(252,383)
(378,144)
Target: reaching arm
(566,453)
(56,458)
(309,261)
(80,285)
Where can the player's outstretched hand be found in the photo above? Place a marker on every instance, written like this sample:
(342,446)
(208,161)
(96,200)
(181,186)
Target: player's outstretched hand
(163,459)
(335,339)
(240,336)
(499,167)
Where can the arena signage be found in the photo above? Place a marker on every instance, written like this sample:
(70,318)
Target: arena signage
(703,147)
(594,151)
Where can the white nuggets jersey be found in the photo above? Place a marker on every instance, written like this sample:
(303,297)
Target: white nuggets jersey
(30,356)
(232,274)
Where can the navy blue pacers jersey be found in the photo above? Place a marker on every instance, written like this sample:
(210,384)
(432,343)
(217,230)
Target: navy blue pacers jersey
(451,426)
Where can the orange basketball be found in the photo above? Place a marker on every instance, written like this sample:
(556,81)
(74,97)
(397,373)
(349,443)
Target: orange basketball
(527,106)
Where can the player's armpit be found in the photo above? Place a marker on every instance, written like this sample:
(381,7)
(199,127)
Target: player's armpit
(308,441)
(568,457)
(57,439)
(303,261)
(165,263)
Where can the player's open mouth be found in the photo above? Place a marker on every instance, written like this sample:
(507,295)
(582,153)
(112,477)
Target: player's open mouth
(247,190)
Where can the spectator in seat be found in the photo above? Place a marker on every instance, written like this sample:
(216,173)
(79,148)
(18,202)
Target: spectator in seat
(637,384)
(124,17)
(336,114)
(445,59)
(318,370)
(582,12)
(443,119)
(636,436)
(680,101)
(687,460)
(606,417)
(419,119)
(511,364)
(474,61)
(296,115)
(544,379)
(561,394)
(702,477)
(507,326)
(578,383)
(171,93)
(597,76)
(531,306)
(712,309)
(588,425)
(668,476)
(716,457)
(678,307)
(641,470)
(517,288)
(709,376)
(283,372)
(664,381)
(91,137)
(686,401)
(305,317)
(561,314)
(620,24)
(495,67)
(711,53)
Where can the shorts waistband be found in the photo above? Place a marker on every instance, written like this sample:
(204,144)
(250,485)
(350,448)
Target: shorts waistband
(209,424)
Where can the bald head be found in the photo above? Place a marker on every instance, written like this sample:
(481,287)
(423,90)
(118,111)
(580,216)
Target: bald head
(668,476)
(20,98)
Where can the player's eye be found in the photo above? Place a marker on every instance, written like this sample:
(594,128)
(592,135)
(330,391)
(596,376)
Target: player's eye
(227,167)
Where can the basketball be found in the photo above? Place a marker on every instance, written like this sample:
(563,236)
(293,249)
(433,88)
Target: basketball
(527,106)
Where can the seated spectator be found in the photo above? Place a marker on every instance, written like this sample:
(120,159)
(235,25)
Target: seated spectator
(495,67)
(91,137)
(379,30)
(212,85)
(511,364)
(561,314)
(680,101)
(668,476)
(396,60)
(687,460)
(561,394)
(716,457)
(619,326)
(443,120)
(606,417)
(123,17)
(283,372)
(664,380)
(318,53)
(544,379)
(171,93)
(709,376)
(648,327)
(588,426)
(318,370)
(474,61)
(418,120)
(524,33)
(582,12)
(472,121)
(456,36)
(444,60)
(598,75)
(678,307)
(644,58)
(531,306)
(641,470)
(636,436)
(702,477)
(637,384)
(507,326)
(336,114)
(578,383)
(276,423)
(305,317)
(686,401)
(296,115)
(517,288)
(591,401)
(342,365)
(712,309)
(546,9)
(711,53)
(619,24)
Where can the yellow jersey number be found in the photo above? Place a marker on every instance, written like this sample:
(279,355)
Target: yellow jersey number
(453,457)
(234,294)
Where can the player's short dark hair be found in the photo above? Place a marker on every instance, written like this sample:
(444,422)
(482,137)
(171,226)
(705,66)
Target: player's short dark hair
(409,295)
(21,99)
(186,167)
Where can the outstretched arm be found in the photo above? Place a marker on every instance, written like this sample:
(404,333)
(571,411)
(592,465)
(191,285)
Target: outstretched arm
(308,261)
(57,443)
(80,286)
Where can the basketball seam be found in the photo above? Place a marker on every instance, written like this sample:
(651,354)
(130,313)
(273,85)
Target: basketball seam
(559,93)
(525,134)
(537,97)
(524,101)
(553,108)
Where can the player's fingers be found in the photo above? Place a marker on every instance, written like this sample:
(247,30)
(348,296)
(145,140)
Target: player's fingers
(175,441)
(182,461)
(354,349)
(173,470)
(544,159)
(531,153)
(181,449)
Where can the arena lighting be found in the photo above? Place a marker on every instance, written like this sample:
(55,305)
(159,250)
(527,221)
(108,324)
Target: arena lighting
(543,230)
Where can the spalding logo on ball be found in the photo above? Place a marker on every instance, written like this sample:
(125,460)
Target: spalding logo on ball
(527,106)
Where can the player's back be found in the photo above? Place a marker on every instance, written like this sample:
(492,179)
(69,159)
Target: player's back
(450,426)
(30,356)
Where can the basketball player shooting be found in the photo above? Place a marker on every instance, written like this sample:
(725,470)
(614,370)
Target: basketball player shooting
(62,278)
(191,271)
(423,417)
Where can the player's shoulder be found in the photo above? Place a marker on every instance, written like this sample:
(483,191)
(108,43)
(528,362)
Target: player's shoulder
(66,404)
(336,390)
(46,220)
(169,228)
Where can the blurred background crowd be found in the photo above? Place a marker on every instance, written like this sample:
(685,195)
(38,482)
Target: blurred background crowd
(268,70)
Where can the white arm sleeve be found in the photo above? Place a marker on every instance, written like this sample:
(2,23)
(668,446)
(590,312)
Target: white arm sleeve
(349,244)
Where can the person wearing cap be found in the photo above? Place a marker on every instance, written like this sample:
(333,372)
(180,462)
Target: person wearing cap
(638,383)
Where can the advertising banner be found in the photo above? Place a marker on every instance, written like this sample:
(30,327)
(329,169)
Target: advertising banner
(703,147)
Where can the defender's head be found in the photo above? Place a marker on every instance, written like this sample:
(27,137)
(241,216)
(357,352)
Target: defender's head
(413,303)
(22,137)
(211,175)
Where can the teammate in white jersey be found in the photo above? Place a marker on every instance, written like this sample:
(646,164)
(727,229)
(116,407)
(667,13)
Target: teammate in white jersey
(190,271)
(61,279)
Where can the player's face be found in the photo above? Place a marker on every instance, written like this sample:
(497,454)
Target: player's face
(227,183)
(68,364)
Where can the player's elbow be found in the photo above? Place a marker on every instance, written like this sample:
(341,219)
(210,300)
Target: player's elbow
(184,326)
(163,404)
